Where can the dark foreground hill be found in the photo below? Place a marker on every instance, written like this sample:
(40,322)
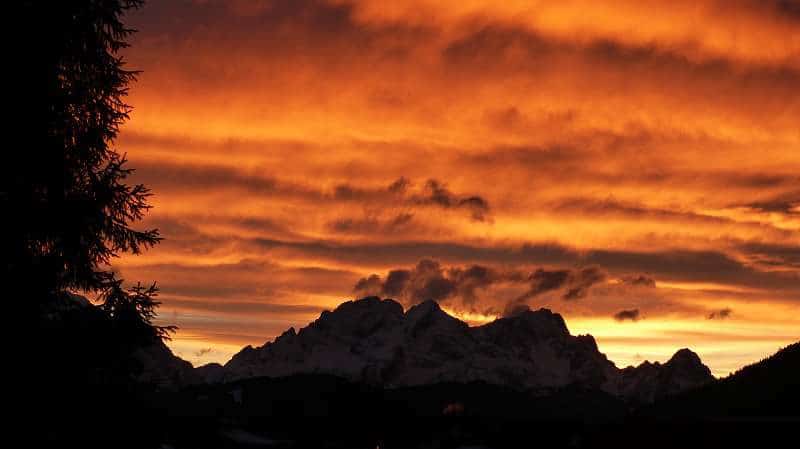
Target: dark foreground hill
(80,379)
(767,390)
(308,410)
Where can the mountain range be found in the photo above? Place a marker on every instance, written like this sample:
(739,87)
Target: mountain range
(369,371)
(375,342)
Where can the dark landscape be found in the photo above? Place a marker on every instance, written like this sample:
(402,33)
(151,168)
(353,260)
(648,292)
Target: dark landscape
(402,224)
(373,402)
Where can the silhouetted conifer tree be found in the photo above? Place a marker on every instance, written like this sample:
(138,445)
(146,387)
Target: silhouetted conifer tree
(133,310)
(68,209)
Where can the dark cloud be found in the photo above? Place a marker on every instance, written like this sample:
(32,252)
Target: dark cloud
(612,207)
(491,49)
(174,177)
(543,280)
(582,280)
(425,281)
(720,314)
(639,280)
(574,159)
(784,207)
(429,280)
(278,27)
(627,315)
(576,282)
(513,119)
(771,9)
(666,265)
(787,202)
(395,282)
(369,286)
(772,255)
(371,224)
(437,193)
(477,277)
(693,266)
(400,185)
(410,252)
(595,208)
(496,49)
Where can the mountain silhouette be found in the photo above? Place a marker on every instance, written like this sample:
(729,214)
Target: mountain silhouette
(74,318)
(373,341)
(766,389)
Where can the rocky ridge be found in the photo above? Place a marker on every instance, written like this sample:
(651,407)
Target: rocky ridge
(374,341)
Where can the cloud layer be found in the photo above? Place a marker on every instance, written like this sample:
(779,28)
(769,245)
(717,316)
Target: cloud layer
(592,157)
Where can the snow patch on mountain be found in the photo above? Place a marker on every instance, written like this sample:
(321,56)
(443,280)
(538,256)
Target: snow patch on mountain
(373,340)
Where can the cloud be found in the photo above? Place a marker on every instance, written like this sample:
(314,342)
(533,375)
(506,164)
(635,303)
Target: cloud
(429,280)
(627,315)
(582,280)
(693,266)
(576,282)
(467,286)
(173,178)
(778,205)
(372,286)
(437,193)
(786,201)
(640,280)
(238,307)
(543,280)
(372,224)
(203,351)
(720,314)
(772,255)
(248,284)
(670,265)
(706,24)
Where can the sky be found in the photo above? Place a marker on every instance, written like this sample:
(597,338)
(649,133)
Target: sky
(633,165)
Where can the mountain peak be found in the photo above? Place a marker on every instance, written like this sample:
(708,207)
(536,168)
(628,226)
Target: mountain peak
(428,316)
(425,308)
(286,335)
(685,356)
(372,340)
(651,381)
(368,307)
(542,323)
(687,364)
(427,305)
(545,316)
(357,318)
(369,302)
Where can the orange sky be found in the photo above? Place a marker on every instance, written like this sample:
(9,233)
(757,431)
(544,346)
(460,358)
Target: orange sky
(645,155)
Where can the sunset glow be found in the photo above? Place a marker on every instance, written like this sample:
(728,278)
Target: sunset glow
(648,149)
